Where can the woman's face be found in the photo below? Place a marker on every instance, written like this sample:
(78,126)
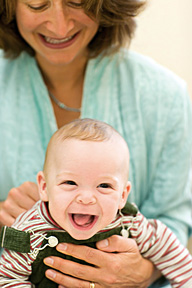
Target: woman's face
(57,30)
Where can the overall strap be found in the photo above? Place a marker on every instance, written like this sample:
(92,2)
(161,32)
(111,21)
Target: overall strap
(16,240)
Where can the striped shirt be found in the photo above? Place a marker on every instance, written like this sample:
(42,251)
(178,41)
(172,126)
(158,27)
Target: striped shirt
(155,241)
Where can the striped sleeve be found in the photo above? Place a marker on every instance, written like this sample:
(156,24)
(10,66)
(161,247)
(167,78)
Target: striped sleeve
(160,245)
(15,269)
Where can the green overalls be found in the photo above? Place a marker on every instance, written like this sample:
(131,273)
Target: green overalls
(19,241)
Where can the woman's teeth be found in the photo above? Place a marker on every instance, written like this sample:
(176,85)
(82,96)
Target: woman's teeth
(57,41)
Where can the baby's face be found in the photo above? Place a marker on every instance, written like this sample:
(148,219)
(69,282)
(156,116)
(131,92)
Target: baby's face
(87,185)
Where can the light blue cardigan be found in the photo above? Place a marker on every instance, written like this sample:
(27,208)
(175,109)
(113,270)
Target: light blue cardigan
(146,103)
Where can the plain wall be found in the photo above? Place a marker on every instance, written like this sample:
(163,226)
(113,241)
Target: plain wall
(164,33)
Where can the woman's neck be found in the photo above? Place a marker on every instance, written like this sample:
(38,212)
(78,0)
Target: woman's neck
(63,77)
(65,82)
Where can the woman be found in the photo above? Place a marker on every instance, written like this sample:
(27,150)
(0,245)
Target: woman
(63,60)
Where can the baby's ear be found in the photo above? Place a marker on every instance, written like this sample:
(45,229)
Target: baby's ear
(125,195)
(42,186)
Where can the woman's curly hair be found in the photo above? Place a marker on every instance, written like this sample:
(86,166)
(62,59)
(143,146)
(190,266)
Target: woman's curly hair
(115,18)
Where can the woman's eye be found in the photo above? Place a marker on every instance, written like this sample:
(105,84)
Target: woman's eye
(38,8)
(74,4)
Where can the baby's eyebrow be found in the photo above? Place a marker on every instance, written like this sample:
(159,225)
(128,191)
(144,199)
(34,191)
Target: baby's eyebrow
(66,172)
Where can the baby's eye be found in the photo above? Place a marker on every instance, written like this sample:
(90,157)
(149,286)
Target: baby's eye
(105,185)
(69,182)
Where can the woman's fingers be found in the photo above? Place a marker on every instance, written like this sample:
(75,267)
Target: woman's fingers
(67,267)
(90,255)
(12,206)
(124,268)
(80,275)
(25,196)
(5,218)
(70,282)
(117,243)
(19,200)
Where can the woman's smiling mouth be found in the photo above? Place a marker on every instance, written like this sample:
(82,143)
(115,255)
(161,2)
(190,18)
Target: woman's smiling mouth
(56,43)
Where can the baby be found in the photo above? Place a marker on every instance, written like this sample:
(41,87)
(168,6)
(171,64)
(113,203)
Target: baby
(83,189)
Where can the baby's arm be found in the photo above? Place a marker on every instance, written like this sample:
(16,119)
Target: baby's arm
(160,245)
(15,269)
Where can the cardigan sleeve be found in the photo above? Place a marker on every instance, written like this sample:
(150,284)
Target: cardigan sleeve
(156,118)
(163,141)
(169,198)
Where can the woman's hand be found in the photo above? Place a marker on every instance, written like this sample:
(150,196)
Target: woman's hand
(127,268)
(19,200)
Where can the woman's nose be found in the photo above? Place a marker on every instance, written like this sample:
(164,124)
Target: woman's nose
(60,21)
(86,198)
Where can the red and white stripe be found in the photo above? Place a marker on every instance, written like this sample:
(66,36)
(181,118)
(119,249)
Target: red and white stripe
(155,242)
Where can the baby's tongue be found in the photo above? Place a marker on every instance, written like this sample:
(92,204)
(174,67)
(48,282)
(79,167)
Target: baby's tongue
(82,219)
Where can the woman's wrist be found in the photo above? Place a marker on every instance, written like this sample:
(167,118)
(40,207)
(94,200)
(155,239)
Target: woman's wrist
(153,272)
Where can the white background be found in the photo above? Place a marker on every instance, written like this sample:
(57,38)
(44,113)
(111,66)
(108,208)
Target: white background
(164,32)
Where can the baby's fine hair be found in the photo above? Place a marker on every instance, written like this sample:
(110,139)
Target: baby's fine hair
(82,129)
(85,129)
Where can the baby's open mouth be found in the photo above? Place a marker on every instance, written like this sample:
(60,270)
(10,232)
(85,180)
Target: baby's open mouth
(83,221)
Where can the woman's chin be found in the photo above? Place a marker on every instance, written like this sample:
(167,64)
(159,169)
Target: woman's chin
(55,60)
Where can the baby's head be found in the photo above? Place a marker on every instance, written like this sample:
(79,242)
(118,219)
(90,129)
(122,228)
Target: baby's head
(85,176)
(86,130)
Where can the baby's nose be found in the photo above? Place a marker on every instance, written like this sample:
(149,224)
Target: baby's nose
(86,198)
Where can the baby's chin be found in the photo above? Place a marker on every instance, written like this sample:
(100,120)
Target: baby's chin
(80,236)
